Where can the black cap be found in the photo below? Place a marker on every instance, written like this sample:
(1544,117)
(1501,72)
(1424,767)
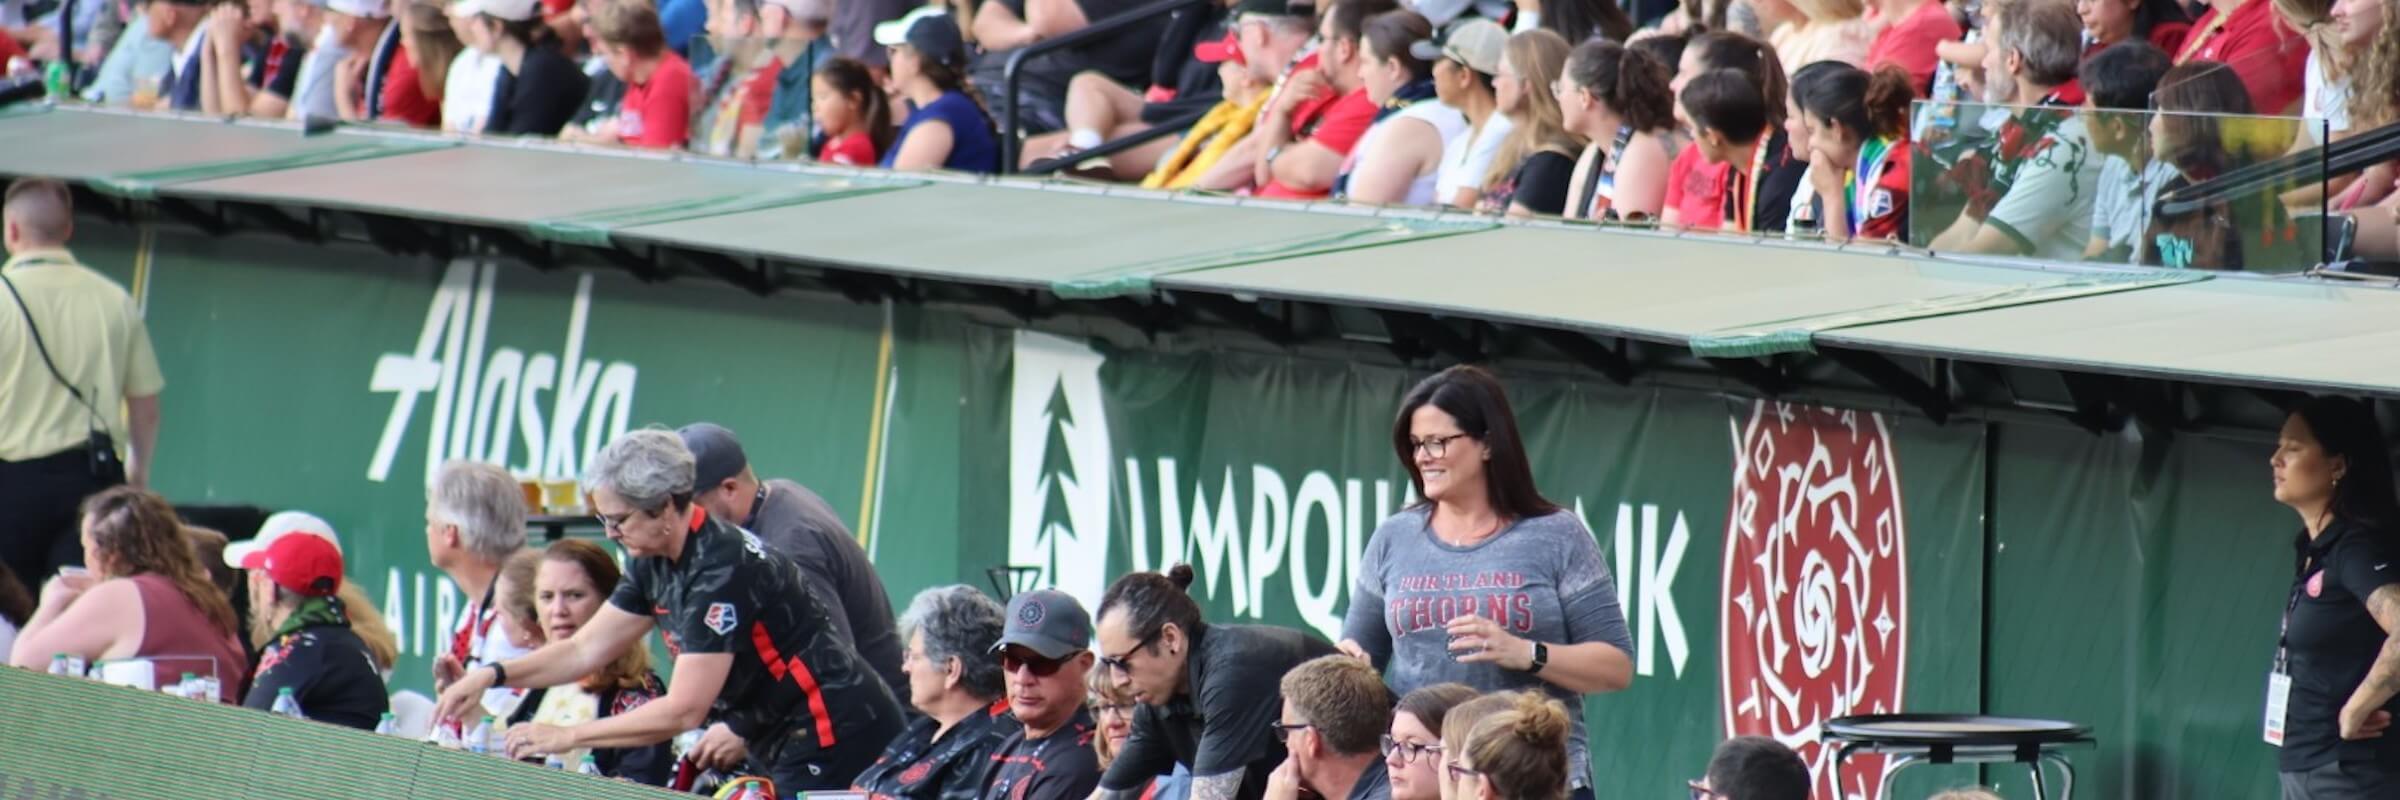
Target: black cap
(716,454)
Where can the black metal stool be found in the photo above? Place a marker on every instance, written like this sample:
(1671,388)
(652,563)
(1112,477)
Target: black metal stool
(1913,739)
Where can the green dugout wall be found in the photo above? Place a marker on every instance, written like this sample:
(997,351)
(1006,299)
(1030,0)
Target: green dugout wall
(1778,562)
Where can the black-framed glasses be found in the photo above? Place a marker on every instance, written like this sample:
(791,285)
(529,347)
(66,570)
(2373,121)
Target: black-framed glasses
(1283,733)
(1125,709)
(1408,752)
(1436,446)
(1459,773)
(613,522)
(1119,663)
(1700,792)
(1041,667)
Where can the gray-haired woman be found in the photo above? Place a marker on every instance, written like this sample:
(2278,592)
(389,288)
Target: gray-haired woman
(954,678)
(757,659)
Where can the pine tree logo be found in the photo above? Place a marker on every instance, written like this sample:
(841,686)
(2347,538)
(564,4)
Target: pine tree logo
(1059,465)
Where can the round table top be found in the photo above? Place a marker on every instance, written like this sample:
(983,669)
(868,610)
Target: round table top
(1953,729)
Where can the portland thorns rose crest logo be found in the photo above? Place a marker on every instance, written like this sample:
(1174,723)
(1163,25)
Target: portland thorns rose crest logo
(1814,620)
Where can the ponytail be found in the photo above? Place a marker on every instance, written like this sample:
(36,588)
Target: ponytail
(1754,58)
(1890,92)
(1522,749)
(851,78)
(1865,105)
(1633,83)
(1151,600)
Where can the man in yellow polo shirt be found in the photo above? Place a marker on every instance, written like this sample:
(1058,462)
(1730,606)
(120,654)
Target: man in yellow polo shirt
(77,377)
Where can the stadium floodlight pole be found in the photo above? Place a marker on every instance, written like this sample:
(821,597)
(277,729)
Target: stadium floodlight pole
(1010,130)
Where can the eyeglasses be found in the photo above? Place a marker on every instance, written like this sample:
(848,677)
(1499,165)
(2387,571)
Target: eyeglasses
(1700,792)
(613,522)
(1436,446)
(1283,733)
(1459,773)
(1122,709)
(1119,664)
(1408,753)
(1041,667)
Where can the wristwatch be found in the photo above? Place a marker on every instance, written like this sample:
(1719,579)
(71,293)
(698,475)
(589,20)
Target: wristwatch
(1541,658)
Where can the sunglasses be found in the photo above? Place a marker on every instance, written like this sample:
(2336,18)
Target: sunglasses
(1700,792)
(1041,667)
(1283,733)
(1118,663)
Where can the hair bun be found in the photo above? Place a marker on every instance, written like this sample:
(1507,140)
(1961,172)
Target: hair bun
(1540,721)
(1181,575)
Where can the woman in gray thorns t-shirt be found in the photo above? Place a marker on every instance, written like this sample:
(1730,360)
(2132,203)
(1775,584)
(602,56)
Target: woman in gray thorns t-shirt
(1485,582)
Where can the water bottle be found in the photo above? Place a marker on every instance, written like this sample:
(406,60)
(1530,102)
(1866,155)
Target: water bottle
(54,79)
(207,688)
(189,686)
(63,664)
(286,705)
(387,725)
(590,766)
(479,740)
(554,762)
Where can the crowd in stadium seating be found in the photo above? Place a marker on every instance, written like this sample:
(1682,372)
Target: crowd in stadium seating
(1583,109)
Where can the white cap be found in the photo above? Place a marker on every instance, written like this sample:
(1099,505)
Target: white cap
(805,10)
(277,526)
(369,9)
(895,32)
(510,10)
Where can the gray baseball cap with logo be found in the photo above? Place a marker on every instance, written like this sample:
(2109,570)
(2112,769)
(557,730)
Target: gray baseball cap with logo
(1048,622)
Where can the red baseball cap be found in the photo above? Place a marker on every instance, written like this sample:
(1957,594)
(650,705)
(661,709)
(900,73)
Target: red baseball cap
(308,566)
(1221,51)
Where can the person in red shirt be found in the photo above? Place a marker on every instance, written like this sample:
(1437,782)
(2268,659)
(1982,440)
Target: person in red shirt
(1321,114)
(2162,23)
(1858,150)
(412,83)
(854,113)
(1911,31)
(659,86)
(1696,187)
(2248,36)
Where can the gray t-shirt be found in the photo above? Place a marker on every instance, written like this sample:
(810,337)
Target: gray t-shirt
(796,522)
(1542,577)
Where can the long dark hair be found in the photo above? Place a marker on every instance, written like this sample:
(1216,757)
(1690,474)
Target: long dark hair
(1154,599)
(2346,429)
(1753,58)
(1584,20)
(1632,82)
(850,78)
(1389,34)
(2194,101)
(1472,396)
(1866,104)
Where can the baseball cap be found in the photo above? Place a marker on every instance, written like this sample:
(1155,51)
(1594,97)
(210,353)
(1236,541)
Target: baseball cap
(927,30)
(810,10)
(279,525)
(510,10)
(1476,43)
(369,9)
(1221,50)
(1046,621)
(303,565)
(716,454)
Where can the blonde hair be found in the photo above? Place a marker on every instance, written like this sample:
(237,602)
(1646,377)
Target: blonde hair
(1539,56)
(1823,11)
(137,533)
(1463,717)
(1103,687)
(517,598)
(2375,85)
(1522,749)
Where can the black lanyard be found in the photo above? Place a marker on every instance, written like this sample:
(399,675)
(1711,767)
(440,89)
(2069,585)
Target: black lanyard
(756,503)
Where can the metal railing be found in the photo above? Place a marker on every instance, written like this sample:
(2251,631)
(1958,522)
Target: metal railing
(1009,127)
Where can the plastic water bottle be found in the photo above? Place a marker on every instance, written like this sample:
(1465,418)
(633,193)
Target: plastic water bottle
(590,766)
(479,740)
(286,705)
(445,735)
(387,725)
(63,664)
(207,688)
(554,762)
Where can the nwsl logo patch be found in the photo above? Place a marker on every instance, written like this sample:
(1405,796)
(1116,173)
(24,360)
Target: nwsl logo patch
(720,618)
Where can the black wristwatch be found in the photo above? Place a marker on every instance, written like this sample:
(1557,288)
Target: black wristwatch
(500,673)
(1541,658)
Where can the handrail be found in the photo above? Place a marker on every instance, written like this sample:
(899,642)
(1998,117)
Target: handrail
(1099,28)
(2322,162)
(1168,127)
